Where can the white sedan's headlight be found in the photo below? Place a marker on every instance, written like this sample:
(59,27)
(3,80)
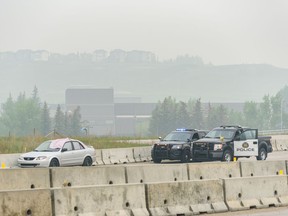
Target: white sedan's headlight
(21,158)
(41,158)
(176,146)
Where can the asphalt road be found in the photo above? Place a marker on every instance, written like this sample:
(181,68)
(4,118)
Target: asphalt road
(276,155)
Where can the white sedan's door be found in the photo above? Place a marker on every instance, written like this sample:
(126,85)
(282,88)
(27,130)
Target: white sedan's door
(79,153)
(247,145)
(67,157)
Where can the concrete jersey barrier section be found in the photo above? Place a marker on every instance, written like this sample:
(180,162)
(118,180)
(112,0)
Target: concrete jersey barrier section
(97,175)
(119,155)
(256,192)
(8,160)
(279,144)
(213,170)
(154,173)
(142,154)
(262,168)
(143,189)
(101,200)
(18,179)
(274,145)
(26,202)
(185,198)
(99,157)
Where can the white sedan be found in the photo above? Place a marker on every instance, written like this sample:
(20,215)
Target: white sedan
(59,152)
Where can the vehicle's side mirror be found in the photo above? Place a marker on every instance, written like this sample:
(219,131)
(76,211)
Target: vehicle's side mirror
(160,138)
(64,149)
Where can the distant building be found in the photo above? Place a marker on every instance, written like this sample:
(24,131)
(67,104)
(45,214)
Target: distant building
(40,55)
(136,56)
(7,56)
(103,114)
(96,107)
(99,56)
(130,116)
(117,56)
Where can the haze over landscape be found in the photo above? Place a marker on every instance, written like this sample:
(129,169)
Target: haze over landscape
(241,45)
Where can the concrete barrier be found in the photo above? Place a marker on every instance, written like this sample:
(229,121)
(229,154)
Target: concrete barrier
(8,160)
(262,168)
(142,154)
(274,145)
(281,144)
(118,155)
(12,179)
(101,200)
(26,202)
(99,160)
(80,176)
(156,173)
(255,192)
(185,198)
(213,170)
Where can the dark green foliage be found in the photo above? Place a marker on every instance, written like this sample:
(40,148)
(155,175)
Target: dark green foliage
(45,120)
(59,121)
(75,129)
(27,116)
(270,114)
(197,115)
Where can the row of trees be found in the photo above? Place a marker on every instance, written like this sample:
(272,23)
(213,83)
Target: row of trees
(28,115)
(269,114)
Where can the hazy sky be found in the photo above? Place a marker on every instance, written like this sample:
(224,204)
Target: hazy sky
(219,31)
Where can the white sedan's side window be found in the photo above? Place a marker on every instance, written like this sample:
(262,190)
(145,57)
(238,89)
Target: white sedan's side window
(77,146)
(68,146)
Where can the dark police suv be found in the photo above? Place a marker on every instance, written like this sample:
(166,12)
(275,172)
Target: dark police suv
(176,145)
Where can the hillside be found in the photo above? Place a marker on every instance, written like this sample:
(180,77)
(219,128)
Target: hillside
(150,81)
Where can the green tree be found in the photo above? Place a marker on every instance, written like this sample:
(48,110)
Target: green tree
(21,117)
(265,114)
(59,121)
(45,120)
(250,114)
(168,115)
(8,115)
(235,117)
(76,122)
(197,115)
(154,124)
(164,117)
(27,114)
(217,116)
(277,104)
(182,116)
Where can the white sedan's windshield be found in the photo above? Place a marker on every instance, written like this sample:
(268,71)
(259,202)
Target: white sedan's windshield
(177,136)
(46,147)
(218,133)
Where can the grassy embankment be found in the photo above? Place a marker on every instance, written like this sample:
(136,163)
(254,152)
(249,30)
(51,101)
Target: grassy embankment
(9,145)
